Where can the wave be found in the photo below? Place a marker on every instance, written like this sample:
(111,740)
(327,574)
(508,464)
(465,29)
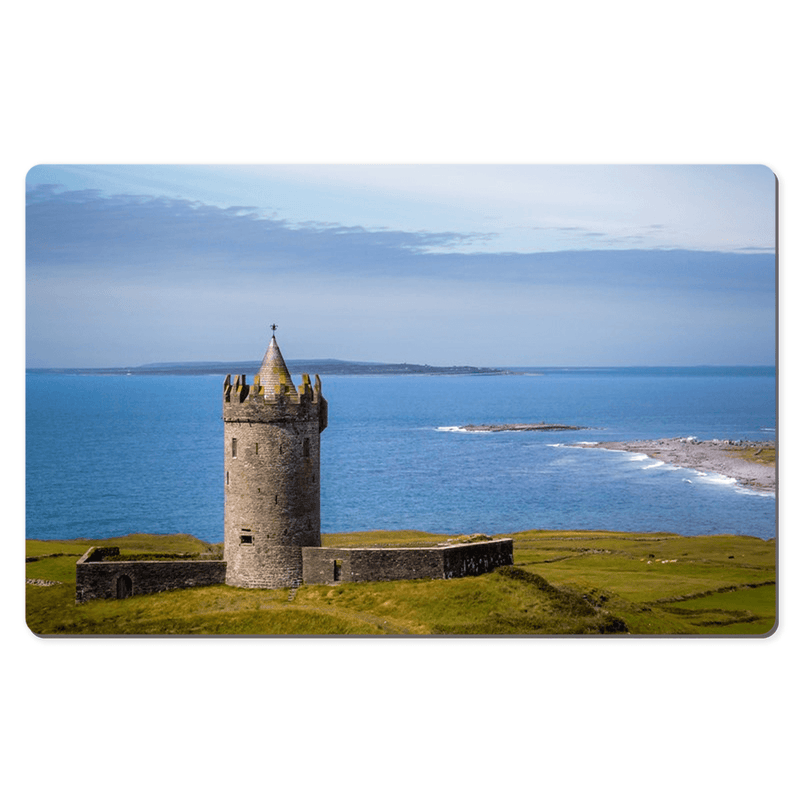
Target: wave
(724,480)
(457,429)
(715,477)
(755,492)
(662,465)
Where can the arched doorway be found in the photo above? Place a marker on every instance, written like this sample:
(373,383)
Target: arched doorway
(124,587)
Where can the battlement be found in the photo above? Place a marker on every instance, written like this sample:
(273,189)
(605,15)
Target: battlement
(238,390)
(257,402)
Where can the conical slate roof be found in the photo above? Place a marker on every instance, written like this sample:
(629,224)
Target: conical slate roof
(273,368)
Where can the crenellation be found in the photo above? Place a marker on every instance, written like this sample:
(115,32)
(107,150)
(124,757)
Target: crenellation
(283,393)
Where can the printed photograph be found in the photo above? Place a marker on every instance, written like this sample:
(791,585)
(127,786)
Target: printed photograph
(401,400)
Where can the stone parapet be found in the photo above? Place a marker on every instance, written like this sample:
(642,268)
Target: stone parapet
(243,402)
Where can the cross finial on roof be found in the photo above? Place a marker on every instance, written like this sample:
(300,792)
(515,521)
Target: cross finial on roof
(274,327)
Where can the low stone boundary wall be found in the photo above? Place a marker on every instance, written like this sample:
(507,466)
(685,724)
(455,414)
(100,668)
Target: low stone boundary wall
(341,564)
(97,579)
(474,559)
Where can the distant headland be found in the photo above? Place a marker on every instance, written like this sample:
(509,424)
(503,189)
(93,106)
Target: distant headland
(326,366)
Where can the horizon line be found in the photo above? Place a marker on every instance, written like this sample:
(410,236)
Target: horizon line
(409,363)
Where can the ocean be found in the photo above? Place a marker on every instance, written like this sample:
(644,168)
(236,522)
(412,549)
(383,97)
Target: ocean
(111,455)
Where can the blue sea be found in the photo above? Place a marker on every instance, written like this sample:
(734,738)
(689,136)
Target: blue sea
(117,454)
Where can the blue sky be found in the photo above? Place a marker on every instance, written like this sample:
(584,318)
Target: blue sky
(484,265)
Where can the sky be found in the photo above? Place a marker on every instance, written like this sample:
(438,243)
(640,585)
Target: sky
(495,265)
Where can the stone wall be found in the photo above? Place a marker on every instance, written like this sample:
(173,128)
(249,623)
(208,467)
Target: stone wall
(341,564)
(460,561)
(97,579)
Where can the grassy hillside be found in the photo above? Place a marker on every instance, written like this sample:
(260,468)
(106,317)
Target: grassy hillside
(562,582)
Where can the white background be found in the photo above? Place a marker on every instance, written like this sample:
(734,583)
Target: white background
(357,82)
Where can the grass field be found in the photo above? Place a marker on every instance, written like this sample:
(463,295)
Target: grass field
(562,583)
(757,453)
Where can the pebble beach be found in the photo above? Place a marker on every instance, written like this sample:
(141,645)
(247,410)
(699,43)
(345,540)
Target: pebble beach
(724,457)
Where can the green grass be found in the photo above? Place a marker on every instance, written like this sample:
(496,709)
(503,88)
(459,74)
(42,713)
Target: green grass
(210,610)
(132,542)
(740,611)
(761,455)
(562,582)
(643,575)
(382,539)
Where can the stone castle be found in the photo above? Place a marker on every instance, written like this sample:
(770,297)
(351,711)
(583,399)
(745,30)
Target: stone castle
(272,492)
(272,508)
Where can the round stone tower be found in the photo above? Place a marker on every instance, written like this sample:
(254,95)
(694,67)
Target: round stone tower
(272,498)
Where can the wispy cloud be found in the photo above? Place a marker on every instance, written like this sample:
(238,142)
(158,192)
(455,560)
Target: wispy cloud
(165,237)
(86,227)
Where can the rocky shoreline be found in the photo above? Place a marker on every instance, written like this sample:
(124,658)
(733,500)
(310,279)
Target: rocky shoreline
(725,457)
(539,426)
